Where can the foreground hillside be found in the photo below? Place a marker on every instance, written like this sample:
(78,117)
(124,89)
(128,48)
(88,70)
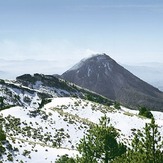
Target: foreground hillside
(43,134)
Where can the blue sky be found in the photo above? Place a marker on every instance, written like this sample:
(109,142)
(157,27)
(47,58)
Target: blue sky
(129,31)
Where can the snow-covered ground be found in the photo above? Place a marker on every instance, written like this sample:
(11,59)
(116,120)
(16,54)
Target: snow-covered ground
(123,119)
(47,133)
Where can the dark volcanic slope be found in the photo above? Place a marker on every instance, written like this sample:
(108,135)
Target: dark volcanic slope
(103,75)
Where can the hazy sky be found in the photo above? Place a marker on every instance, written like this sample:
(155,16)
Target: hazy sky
(127,30)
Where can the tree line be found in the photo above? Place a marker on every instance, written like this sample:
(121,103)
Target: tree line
(101,145)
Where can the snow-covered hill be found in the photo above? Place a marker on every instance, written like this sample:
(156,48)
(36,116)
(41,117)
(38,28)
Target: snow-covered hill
(33,91)
(42,135)
(45,117)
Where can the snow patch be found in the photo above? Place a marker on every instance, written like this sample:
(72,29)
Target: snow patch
(89,72)
(78,65)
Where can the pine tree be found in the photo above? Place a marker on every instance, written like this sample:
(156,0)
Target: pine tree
(2,134)
(65,159)
(143,111)
(147,146)
(2,139)
(1,102)
(100,143)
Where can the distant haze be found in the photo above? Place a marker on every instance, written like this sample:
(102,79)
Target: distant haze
(149,72)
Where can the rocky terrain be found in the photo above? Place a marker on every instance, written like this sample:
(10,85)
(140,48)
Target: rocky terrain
(103,75)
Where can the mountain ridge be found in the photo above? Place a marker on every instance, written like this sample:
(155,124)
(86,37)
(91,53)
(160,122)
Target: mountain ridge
(102,74)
